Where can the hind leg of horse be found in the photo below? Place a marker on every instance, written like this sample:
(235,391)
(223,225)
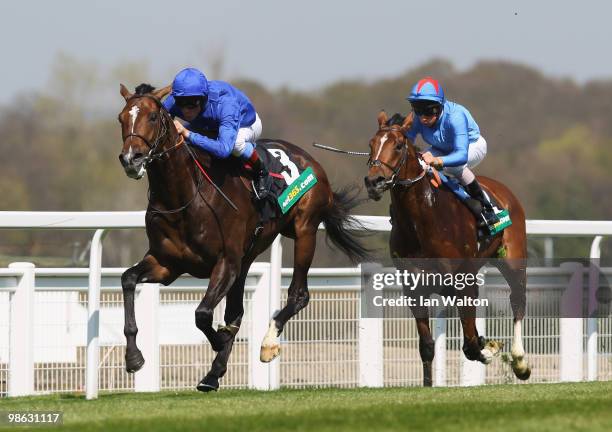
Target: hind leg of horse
(223,276)
(426,342)
(515,273)
(297,295)
(148,270)
(234,310)
(514,270)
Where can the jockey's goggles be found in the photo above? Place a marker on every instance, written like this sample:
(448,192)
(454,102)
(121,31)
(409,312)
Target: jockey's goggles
(189,102)
(426,110)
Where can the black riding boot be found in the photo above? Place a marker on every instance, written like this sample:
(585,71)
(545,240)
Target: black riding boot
(260,175)
(488,213)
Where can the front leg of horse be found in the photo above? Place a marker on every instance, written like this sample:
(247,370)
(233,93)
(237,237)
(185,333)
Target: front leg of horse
(223,276)
(426,342)
(234,311)
(148,270)
(476,347)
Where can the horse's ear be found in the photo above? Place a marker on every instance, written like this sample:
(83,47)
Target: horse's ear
(162,92)
(408,122)
(124,92)
(382,118)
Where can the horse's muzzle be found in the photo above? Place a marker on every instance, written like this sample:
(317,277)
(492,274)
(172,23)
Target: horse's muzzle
(134,167)
(375,186)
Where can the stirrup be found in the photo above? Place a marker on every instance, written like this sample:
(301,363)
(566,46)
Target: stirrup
(259,188)
(489,216)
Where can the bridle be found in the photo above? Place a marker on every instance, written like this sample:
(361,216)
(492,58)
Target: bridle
(162,130)
(393,180)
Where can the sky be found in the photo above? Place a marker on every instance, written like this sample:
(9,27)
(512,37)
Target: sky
(302,45)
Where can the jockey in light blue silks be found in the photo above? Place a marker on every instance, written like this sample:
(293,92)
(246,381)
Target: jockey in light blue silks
(455,143)
(218,107)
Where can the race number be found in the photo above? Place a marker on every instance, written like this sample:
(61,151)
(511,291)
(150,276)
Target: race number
(293,173)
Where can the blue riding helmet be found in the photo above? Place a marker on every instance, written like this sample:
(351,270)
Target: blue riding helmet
(190,82)
(427,89)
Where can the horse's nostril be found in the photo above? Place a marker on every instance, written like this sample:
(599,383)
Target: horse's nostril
(122,160)
(379,180)
(138,157)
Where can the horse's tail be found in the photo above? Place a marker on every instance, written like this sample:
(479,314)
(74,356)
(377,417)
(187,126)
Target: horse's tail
(343,229)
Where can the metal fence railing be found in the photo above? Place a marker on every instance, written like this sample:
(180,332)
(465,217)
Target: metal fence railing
(325,345)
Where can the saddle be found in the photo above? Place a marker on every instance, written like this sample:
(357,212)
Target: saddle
(458,189)
(283,173)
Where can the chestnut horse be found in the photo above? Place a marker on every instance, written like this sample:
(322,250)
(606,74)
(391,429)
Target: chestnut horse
(192,227)
(431,222)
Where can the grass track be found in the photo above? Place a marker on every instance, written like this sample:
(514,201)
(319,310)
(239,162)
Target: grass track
(538,407)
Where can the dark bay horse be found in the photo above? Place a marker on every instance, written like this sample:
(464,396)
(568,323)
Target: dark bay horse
(431,222)
(193,229)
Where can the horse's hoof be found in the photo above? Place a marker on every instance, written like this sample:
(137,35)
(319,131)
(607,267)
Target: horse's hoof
(269,353)
(209,383)
(523,374)
(134,362)
(521,369)
(481,342)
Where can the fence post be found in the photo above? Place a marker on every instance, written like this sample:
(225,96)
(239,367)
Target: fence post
(276,267)
(21,354)
(570,326)
(93,314)
(473,373)
(371,352)
(147,313)
(440,350)
(371,332)
(592,331)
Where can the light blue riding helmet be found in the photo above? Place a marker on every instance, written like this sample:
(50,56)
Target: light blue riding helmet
(427,89)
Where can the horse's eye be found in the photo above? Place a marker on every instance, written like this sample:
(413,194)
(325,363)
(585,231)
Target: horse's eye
(153,116)
(399,146)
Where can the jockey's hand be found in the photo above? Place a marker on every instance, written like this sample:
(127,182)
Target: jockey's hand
(430,159)
(181,129)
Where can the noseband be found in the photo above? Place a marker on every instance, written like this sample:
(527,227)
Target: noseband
(393,180)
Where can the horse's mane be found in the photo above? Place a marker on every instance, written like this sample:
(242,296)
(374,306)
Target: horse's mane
(144,89)
(396,119)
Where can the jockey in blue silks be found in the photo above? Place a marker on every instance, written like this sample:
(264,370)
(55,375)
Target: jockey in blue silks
(455,143)
(218,107)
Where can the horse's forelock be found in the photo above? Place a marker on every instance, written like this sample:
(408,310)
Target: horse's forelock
(144,88)
(396,119)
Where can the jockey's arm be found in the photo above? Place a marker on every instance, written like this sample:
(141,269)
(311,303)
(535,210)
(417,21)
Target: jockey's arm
(459,155)
(228,130)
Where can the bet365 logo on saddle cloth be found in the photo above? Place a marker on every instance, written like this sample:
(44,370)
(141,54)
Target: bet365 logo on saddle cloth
(296,189)
(504,222)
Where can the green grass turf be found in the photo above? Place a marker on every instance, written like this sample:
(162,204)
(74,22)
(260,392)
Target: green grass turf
(538,407)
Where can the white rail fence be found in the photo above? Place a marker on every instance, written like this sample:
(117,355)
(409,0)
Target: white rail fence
(62,329)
